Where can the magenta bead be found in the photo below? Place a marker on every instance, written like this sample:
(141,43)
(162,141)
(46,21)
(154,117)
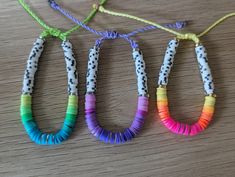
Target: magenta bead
(182,128)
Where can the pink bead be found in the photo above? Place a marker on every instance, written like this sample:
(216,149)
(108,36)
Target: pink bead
(198,128)
(195,129)
(181,128)
(173,128)
(176,127)
(90,101)
(143,103)
(187,129)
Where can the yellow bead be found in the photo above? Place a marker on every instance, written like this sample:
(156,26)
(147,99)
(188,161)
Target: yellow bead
(26,100)
(73,100)
(210,101)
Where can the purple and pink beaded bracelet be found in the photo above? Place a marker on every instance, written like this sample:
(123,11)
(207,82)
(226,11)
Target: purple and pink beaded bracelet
(90,98)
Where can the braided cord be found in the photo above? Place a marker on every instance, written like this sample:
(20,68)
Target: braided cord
(185,36)
(87,19)
(51,31)
(110,34)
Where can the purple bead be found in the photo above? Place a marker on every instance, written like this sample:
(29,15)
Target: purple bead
(123,137)
(140,113)
(92,124)
(105,136)
(128,134)
(137,124)
(118,138)
(98,131)
(87,111)
(108,136)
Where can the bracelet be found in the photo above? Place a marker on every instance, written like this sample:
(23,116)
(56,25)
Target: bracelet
(26,99)
(162,100)
(90,98)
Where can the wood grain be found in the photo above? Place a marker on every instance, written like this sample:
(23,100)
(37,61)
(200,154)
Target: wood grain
(155,152)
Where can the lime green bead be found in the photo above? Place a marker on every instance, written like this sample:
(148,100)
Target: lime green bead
(26,100)
(73,100)
(72,107)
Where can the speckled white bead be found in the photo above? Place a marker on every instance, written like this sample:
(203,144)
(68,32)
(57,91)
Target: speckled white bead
(202,63)
(140,73)
(205,69)
(92,70)
(70,67)
(32,65)
(168,62)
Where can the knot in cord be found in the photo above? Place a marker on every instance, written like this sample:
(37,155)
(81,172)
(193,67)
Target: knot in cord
(189,36)
(114,35)
(111,35)
(55,33)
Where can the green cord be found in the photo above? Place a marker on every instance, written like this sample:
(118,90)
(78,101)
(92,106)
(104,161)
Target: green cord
(102,2)
(32,14)
(55,32)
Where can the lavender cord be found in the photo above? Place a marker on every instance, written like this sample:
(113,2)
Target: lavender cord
(113,34)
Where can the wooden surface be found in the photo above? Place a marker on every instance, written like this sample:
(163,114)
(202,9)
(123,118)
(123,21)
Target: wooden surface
(155,152)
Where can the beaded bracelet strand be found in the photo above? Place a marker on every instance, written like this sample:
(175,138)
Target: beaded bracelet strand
(92,71)
(29,123)
(161,93)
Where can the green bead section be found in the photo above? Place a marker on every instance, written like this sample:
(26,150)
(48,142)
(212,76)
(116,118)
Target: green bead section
(26,117)
(25,108)
(71,118)
(72,107)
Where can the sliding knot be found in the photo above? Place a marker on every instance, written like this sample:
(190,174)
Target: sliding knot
(189,36)
(111,34)
(55,33)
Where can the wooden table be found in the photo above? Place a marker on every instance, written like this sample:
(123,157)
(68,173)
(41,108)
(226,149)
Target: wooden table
(156,151)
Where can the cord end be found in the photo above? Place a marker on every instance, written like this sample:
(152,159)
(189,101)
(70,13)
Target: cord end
(95,6)
(98,7)
(53,4)
(181,24)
